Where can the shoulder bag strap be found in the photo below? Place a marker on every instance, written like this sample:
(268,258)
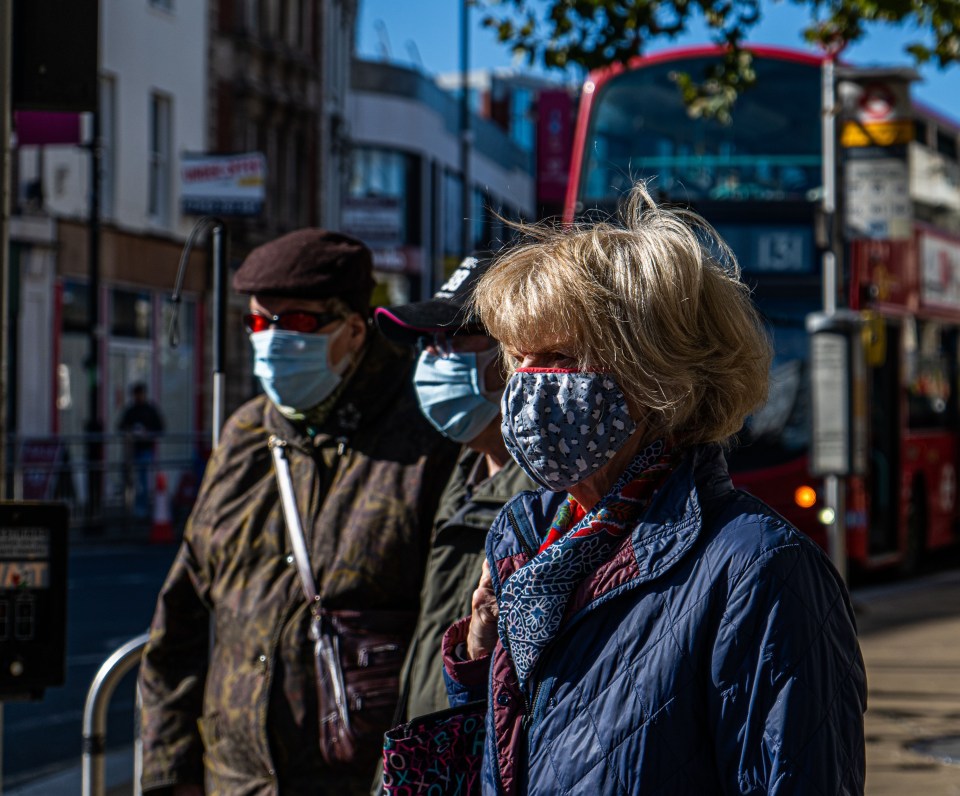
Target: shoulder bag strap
(292,520)
(326,645)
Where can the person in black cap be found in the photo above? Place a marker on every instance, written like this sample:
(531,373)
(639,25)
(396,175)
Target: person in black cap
(458,380)
(366,471)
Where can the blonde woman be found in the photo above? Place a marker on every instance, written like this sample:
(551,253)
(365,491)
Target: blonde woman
(660,632)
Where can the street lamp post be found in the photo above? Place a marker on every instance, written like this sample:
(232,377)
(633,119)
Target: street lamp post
(94,424)
(466,135)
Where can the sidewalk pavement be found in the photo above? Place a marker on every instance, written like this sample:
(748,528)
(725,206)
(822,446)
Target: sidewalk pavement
(910,637)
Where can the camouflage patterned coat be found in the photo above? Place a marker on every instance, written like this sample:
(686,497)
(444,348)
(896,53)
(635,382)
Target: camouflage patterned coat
(367,485)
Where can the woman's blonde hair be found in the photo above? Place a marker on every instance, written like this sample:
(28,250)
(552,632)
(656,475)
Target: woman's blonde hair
(656,300)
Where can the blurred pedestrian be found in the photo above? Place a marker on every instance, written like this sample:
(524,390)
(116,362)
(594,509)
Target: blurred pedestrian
(141,423)
(661,632)
(301,678)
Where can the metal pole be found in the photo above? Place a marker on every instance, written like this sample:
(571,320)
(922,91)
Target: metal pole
(829,263)
(466,229)
(6,383)
(219,247)
(6,39)
(94,426)
(829,132)
(834,486)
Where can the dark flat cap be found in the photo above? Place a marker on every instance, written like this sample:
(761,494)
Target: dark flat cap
(310,264)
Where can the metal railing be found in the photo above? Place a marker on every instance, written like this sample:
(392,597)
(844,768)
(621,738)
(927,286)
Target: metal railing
(123,660)
(104,478)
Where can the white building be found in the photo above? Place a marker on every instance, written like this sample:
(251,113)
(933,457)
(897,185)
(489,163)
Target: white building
(404,194)
(153,68)
(153,93)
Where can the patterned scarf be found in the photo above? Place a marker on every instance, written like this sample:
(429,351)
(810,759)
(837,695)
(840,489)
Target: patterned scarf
(533,599)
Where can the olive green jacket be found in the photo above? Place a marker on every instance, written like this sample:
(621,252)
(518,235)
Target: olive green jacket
(366,484)
(453,571)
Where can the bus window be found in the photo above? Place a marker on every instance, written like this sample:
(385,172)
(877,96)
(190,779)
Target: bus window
(641,128)
(780,429)
(929,393)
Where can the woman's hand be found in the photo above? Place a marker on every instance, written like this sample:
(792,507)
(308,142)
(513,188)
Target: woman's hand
(482,636)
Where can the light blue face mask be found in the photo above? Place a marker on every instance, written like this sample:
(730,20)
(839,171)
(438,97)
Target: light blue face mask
(294,368)
(451,394)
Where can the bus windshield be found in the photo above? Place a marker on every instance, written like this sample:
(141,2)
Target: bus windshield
(639,128)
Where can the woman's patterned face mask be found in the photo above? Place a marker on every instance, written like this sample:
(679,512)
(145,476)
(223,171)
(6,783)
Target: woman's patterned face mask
(562,426)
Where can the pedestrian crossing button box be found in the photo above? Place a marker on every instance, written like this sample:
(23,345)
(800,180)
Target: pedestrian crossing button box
(33,598)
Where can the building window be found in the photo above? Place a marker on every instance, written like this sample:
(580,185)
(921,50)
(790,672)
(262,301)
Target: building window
(273,188)
(452,218)
(306,28)
(271,21)
(292,180)
(132,314)
(947,144)
(376,206)
(931,402)
(523,131)
(251,16)
(76,306)
(920,131)
(301,185)
(160,165)
(477,221)
(108,143)
(293,23)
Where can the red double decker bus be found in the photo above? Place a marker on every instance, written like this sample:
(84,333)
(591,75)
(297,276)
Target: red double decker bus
(759,181)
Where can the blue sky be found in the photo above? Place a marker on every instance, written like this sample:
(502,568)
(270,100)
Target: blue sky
(426,33)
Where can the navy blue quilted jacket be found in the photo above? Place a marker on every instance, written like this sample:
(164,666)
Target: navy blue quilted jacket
(718,655)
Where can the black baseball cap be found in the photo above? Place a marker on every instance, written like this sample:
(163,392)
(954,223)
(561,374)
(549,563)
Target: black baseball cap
(448,311)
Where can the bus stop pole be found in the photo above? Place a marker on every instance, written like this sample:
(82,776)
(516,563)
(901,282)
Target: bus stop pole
(834,485)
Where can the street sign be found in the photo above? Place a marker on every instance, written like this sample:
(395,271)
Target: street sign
(877,195)
(838,394)
(876,107)
(223,185)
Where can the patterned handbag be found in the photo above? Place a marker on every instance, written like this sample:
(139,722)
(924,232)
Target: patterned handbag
(439,752)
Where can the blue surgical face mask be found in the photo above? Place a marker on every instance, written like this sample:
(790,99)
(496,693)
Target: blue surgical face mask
(451,393)
(294,368)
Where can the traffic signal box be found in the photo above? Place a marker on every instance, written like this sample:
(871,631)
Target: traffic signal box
(33,598)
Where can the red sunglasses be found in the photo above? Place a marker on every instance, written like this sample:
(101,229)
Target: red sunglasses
(293,321)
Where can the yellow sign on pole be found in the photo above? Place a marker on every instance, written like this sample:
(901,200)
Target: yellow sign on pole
(860,134)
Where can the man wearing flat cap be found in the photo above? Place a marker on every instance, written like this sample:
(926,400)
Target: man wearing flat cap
(304,553)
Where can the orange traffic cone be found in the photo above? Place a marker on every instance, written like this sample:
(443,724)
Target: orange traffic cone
(161,532)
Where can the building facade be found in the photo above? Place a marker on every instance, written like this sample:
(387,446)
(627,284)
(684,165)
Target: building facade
(177,79)
(404,194)
(278,82)
(84,335)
